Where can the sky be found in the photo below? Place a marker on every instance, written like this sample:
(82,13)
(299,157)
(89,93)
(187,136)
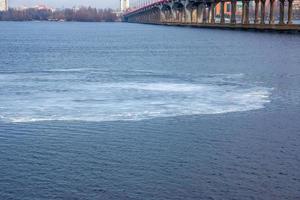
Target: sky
(66,3)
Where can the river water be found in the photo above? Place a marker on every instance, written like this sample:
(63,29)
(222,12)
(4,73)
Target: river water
(129,111)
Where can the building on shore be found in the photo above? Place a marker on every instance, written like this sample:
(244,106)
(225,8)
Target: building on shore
(3,5)
(124,5)
(227,8)
(239,6)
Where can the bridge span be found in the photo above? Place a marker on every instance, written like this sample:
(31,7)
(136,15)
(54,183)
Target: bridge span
(202,13)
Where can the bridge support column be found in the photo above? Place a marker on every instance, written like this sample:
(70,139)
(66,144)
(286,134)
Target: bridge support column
(204,18)
(159,17)
(162,16)
(290,12)
(233,11)
(262,11)
(246,12)
(183,17)
(151,18)
(271,17)
(147,17)
(178,16)
(144,18)
(156,16)
(173,15)
(169,16)
(200,13)
(243,12)
(208,13)
(213,13)
(222,12)
(256,12)
(188,16)
(194,15)
(281,12)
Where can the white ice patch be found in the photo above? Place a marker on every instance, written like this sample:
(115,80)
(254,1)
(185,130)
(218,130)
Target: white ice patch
(47,99)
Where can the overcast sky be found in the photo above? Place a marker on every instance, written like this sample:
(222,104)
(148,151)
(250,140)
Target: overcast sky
(66,3)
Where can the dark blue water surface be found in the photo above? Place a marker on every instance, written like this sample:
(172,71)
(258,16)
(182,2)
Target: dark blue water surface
(128,111)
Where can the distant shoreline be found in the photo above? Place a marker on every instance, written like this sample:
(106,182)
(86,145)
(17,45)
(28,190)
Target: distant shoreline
(55,21)
(83,14)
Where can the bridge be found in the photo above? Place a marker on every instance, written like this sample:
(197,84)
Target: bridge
(202,13)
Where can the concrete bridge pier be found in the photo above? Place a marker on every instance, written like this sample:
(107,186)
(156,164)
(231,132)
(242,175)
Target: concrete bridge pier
(188,16)
(182,15)
(208,14)
(281,12)
(188,12)
(262,11)
(154,16)
(245,12)
(271,17)
(233,12)
(247,7)
(177,15)
(212,13)
(165,13)
(200,13)
(222,13)
(149,17)
(256,12)
(174,15)
(194,13)
(290,12)
(162,16)
(204,14)
(180,11)
(172,11)
(169,16)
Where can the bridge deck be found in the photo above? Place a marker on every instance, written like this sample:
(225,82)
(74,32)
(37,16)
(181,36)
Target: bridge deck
(249,27)
(257,27)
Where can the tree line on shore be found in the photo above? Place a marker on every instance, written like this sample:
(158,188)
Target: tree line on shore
(82,14)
